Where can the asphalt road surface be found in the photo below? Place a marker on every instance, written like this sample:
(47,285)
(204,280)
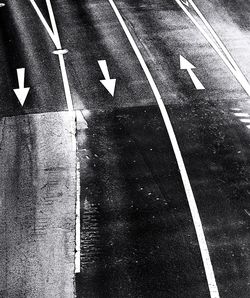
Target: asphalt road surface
(138,238)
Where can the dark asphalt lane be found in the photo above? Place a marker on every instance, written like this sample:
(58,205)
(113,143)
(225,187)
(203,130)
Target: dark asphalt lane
(149,249)
(215,146)
(138,239)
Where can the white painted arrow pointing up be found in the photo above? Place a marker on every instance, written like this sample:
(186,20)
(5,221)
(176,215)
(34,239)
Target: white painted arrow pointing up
(21,92)
(185,64)
(108,83)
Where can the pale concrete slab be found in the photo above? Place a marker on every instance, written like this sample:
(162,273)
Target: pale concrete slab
(37,205)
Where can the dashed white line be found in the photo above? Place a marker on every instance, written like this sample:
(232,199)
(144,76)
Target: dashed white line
(241,114)
(245,120)
(214,293)
(235,110)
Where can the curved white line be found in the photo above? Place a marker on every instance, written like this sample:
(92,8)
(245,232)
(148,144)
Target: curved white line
(214,293)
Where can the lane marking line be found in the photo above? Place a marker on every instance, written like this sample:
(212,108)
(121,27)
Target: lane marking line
(245,120)
(65,82)
(216,44)
(53,22)
(54,35)
(235,109)
(241,114)
(214,293)
(78,222)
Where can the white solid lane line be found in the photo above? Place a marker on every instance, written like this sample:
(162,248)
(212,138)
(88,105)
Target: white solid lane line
(217,45)
(214,293)
(215,36)
(60,52)
(78,222)
(65,82)
(45,24)
(53,23)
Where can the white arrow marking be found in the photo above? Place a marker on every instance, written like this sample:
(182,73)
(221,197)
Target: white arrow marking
(108,83)
(21,92)
(217,44)
(214,293)
(184,64)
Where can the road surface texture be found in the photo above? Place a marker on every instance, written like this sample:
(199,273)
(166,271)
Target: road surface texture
(138,237)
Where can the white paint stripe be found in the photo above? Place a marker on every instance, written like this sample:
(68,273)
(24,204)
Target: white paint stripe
(45,24)
(53,23)
(222,52)
(65,83)
(235,110)
(248,126)
(78,223)
(215,36)
(56,39)
(241,114)
(245,120)
(187,186)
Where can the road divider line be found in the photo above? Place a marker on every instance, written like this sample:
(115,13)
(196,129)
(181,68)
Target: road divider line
(65,82)
(53,23)
(214,293)
(216,44)
(215,36)
(54,35)
(45,24)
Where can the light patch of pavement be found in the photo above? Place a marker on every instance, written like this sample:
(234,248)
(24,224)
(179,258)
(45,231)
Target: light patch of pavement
(37,205)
